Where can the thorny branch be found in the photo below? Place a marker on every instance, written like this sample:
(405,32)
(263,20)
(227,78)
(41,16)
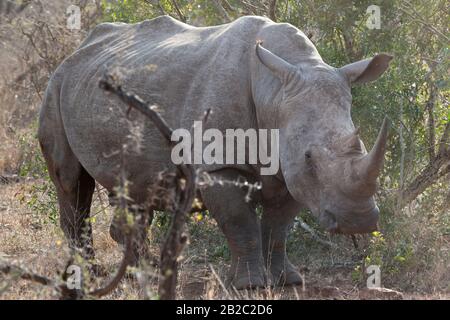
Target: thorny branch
(60,287)
(186,189)
(114,282)
(26,275)
(176,238)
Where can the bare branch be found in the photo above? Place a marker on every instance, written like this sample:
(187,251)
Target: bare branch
(26,275)
(272,10)
(114,282)
(439,159)
(313,234)
(444,142)
(179,13)
(186,189)
(407,6)
(227,6)
(7,268)
(109,83)
(431,123)
(427,177)
(222,10)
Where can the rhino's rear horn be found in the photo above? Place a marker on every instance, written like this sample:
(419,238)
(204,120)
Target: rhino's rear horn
(369,167)
(280,67)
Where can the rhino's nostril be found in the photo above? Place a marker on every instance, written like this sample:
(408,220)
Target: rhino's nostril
(334,228)
(332,222)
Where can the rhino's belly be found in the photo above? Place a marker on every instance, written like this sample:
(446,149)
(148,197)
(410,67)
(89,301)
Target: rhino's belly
(107,165)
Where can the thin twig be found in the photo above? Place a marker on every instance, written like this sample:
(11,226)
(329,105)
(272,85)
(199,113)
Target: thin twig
(272,10)
(313,234)
(186,190)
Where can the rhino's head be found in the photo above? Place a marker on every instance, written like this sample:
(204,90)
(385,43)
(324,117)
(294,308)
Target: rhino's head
(324,163)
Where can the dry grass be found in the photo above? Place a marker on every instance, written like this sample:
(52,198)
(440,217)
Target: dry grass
(39,245)
(32,239)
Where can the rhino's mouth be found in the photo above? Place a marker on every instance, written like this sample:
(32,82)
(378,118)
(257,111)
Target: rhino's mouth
(331,221)
(351,224)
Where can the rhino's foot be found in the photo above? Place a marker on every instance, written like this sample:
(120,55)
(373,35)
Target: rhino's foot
(245,282)
(285,274)
(251,277)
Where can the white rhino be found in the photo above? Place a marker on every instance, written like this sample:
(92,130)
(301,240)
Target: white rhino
(282,84)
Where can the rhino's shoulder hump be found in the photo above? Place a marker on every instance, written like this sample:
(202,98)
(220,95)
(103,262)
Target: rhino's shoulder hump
(107,29)
(164,23)
(102,30)
(248,24)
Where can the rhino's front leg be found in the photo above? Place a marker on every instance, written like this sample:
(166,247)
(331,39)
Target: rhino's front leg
(238,221)
(275,225)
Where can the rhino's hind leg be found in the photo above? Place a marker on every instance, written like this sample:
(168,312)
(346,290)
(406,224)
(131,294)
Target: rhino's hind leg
(75,203)
(275,224)
(238,221)
(74,187)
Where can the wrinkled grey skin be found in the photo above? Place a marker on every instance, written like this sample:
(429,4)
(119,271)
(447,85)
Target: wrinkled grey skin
(186,70)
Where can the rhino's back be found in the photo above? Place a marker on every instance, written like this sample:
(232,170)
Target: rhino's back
(183,69)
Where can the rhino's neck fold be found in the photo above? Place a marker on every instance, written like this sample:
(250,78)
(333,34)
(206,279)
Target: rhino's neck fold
(267,96)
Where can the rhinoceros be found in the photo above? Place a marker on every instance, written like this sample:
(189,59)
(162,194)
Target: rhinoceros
(252,73)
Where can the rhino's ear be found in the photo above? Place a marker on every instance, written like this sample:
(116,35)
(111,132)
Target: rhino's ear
(367,70)
(280,67)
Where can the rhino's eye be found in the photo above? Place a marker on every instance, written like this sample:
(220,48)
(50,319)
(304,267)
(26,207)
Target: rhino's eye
(310,166)
(308,155)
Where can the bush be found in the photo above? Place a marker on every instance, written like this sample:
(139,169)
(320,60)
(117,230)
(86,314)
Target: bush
(39,197)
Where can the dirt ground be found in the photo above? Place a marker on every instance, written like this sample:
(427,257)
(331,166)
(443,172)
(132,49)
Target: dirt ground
(38,245)
(32,238)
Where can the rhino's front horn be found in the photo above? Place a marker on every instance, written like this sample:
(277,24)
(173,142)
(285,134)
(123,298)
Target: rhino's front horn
(280,67)
(369,166)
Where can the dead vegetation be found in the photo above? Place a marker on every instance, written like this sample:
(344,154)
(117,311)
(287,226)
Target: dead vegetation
(414,250)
